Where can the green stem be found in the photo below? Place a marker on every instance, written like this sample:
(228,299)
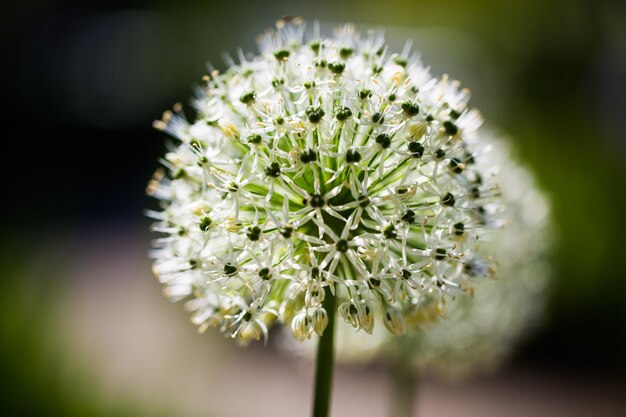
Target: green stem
(403,387)
(324,365)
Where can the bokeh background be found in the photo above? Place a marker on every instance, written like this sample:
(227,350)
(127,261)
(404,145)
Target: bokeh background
(84,330)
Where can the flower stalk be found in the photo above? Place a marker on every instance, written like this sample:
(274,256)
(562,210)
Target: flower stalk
(403,386)
(324,363)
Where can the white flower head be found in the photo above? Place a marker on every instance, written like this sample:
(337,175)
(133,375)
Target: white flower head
(323,164)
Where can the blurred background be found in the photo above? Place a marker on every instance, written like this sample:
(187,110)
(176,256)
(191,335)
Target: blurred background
(84,329)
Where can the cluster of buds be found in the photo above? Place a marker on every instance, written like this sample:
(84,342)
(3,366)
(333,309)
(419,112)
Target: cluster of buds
(321,165)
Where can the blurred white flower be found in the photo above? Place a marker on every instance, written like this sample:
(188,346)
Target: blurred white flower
(321,164)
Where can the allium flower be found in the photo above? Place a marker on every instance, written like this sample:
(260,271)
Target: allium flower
(478,332)
(322,165)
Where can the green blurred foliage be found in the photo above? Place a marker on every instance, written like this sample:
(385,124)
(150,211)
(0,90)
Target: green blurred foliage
(39,375)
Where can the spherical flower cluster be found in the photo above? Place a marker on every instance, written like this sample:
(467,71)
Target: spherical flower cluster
(476,333)
(323,165)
